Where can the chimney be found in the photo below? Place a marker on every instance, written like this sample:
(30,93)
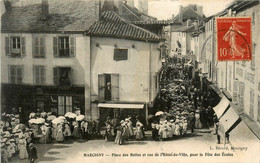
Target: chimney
(180,13)
(45,9)
(119,5)
(8,5)
(200,10)
(108,5)
(188,22)
(196,24)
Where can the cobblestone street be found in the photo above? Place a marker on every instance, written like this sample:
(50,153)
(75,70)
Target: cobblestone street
(101,151)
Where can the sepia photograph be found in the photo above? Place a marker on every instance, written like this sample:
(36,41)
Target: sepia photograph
(128,81)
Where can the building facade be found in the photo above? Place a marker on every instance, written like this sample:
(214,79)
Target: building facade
(43,56)
(129,84)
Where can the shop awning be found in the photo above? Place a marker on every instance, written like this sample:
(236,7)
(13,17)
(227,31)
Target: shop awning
(221,107)
(122,106)
(229,119)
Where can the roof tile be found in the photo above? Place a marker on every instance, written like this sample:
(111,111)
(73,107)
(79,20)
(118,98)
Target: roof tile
(112,25)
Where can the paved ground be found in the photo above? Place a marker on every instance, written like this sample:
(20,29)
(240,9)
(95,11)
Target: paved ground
(183,147)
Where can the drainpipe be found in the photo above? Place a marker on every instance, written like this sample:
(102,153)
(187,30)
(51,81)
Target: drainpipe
(150,81)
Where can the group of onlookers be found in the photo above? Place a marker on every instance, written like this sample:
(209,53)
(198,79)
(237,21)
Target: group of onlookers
(16,139)
(120,131)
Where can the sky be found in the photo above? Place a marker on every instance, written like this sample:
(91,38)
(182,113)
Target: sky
(163,9)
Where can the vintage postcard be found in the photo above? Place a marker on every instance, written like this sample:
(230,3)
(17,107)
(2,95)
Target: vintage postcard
(130,81)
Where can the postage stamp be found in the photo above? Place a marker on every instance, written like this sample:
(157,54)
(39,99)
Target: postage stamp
(233,36)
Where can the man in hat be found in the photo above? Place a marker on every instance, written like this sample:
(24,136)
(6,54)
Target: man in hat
(32,153)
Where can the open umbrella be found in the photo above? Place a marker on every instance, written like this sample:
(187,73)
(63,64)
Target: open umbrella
(67,114)
(39,120)
(19,126)
(57,120)
(62,117)
(80,118)
(72,115)
(51,117)
(32,121)
(158,113)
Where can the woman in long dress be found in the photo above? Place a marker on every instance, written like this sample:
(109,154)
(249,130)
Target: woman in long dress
(35,130)
(177,128)
(67,131)
(138,132)
(108,133)
(119,134)
(197,120)
(22,148)
(232,35)
(130,127)
(54,130)
(76,131)
(59,136)
(43,138)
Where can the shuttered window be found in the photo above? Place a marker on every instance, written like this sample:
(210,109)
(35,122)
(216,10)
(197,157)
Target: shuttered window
(108,87)
(101,87)
(115,87)
(39,75)
(15,46)
(235,91)
(64,46)
(38,47)
(15,74)
(252,96)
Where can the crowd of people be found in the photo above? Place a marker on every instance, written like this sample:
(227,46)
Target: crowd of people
(17,139)
(120,131)
(184,106)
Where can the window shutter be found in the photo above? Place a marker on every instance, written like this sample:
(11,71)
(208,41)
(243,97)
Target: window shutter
(72,46)
(55,47)
(42,75)
(23,46)
(36,46)
(101,87)
(7,46)
(55,75)
(42,46)
(235,86)
(115,87)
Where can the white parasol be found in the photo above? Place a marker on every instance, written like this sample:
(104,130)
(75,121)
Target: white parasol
(51,117)
(80,118)
(158,113)
(67,114)
(57,120)
(32,121)
(39,121)
(70,115)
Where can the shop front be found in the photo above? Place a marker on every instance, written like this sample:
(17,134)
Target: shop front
(58,100)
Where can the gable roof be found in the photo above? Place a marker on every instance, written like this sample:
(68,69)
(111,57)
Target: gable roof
(112,25)
(133,14)
(65,15)
(186,13)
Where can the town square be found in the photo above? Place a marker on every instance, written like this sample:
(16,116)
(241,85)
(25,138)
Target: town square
(130,80)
